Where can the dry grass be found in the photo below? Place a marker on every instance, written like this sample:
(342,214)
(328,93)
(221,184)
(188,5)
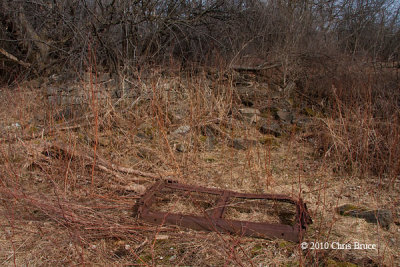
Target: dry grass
(360,128)
(258,210)
(61,208)
(193,203)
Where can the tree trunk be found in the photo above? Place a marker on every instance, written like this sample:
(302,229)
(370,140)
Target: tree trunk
(38,40)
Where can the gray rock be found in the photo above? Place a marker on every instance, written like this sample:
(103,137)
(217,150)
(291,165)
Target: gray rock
(237,143)
(251,115)
(145,131)
(302,122)
(211,142)
(208,138)
(182,130)
(383,217)
(180,147)
(141,135)
(255,119)
(242,144)
(345,209)
(284,116)
(249,112)
(290,86)
(270,128)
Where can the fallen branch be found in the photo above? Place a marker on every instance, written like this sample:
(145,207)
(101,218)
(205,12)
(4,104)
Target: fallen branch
(255,69)
(14,58)
(50,130)
(101,163)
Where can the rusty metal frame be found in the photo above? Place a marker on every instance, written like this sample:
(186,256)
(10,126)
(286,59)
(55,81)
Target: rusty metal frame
(215,221)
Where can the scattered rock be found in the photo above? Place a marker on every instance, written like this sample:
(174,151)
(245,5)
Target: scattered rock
(242,144)
(172,258)
(383,217)
(271,128)
(13,126)
(249,112)
(289,88)
(145,131)
(279,110)
(284,116)
(344,209)
(140,189)
(256,119)
(180,147)
(208,138)
(302,122)
(251,115)
(184,129)
(238,144)
(211,142)
(176,116)
(141,135)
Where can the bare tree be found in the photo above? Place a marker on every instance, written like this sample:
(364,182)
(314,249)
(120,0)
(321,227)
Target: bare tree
(51,35)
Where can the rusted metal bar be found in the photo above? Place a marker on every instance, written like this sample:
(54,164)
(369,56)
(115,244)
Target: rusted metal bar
(215,221)
(219,209)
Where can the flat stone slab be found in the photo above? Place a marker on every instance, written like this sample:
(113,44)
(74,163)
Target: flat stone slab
(382,217)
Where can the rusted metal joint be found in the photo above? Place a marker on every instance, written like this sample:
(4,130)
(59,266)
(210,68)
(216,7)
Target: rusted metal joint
(213,218)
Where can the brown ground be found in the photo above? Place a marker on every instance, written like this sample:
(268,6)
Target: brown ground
(58,210)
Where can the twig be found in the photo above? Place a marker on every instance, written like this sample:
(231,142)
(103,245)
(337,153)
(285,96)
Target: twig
(258,68)
(14,58)
(102,163)
(50,130)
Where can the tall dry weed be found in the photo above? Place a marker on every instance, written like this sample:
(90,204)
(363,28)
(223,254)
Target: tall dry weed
(360,129)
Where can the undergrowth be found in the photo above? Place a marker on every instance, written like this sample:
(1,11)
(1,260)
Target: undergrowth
(71,170)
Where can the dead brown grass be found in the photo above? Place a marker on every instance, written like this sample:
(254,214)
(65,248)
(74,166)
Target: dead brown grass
(259,210)
(360,128)
(59,207)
